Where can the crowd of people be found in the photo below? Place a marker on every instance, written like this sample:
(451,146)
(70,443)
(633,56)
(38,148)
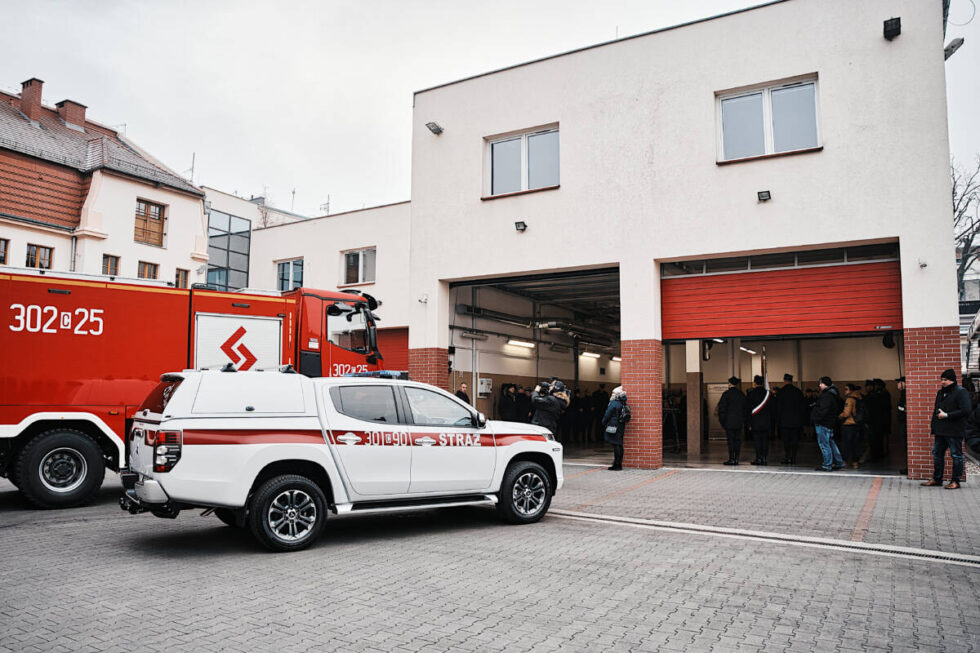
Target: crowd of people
(579,419)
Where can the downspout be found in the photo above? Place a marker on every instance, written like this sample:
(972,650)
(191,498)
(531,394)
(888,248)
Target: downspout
(74,251)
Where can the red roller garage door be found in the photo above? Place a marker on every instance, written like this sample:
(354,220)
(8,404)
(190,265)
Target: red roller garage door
(393,344)
(833,299)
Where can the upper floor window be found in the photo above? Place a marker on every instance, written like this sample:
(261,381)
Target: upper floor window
(39,257)
(523,162)
(290,274)
(180,278)
(147,270)
(769,120)
(4,247)
(150,220)
(229,241)
(110,265)
(359,266)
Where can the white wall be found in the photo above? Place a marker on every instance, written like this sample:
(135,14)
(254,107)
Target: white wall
(20,235)
(108,219)
(320,242)
(639,180)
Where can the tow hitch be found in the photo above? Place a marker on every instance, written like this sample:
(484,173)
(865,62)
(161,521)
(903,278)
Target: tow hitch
(131,503)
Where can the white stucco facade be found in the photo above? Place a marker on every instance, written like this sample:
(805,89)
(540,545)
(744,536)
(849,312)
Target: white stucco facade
(322,242)
(639,149)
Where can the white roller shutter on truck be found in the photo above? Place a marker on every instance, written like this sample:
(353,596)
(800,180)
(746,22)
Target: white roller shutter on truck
(247,342)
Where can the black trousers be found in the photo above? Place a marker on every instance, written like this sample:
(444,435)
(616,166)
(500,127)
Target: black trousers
(791,440)
(939,446)
(734,442)
(851,448)
(761,440)
(617,455)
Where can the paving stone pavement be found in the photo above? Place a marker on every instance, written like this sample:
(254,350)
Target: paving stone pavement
(815,504)
(97,579)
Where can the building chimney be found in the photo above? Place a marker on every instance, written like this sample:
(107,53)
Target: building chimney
(72,112)
(30,98)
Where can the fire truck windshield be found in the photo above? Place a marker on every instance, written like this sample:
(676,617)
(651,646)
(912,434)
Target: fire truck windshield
(349,330)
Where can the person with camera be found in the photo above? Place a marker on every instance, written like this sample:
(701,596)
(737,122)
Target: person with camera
(614,425)
(548,401)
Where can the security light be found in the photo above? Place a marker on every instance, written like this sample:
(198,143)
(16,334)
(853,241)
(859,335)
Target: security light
(521,226)
(952,47)
(521,343)
(434,127)
(764,195)
(589,354)
(893,27)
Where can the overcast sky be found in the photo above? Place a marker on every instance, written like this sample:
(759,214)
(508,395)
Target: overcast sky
(317,96)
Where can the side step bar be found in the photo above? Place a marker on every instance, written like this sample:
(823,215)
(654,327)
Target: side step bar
(366,507)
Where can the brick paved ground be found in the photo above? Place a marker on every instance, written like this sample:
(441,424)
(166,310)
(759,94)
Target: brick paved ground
(96,579)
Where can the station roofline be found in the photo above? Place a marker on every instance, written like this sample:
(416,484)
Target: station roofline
(333,215)
(600,45)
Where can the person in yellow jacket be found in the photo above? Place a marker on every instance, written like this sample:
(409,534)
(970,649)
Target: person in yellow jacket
(851,424)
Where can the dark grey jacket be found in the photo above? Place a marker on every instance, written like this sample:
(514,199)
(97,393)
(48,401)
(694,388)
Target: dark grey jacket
(827,408)
(733,409)
(955,402)
(547,410)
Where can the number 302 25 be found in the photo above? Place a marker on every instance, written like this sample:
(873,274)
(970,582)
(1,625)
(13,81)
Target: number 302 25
(48,319)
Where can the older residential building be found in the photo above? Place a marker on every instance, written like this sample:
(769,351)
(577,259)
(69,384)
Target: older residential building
(78,196)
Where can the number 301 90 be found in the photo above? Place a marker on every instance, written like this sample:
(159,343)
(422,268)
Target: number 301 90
(48,319)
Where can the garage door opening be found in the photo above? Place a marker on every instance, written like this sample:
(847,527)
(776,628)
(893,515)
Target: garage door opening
(519,330)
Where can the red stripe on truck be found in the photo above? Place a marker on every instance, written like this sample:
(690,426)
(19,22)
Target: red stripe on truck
(311,436)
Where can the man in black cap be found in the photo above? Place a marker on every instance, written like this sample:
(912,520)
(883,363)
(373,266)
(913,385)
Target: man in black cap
(732,410)
(760,419)
(948,428)
(824,416)
(791,410)
(900,424)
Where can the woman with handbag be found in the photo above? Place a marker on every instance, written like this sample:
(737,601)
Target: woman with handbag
(615,425)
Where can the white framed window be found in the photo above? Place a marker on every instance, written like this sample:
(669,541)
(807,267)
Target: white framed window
(522,162)
(768,120)
(290,274)
(359,265)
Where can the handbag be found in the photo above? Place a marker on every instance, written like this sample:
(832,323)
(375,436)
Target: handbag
(611,429)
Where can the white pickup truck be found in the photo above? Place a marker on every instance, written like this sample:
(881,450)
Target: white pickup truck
(275,451)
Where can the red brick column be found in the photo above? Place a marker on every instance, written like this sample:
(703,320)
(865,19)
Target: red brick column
(642,377)
(429,365)
(928,351)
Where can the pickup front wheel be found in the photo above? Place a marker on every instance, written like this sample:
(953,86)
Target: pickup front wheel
(287,513)
(525,493)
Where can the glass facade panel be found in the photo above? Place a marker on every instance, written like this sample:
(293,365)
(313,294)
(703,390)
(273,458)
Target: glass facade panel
(542,160)
(229,239)
(782,260)
(794,118)
(742,126)
(505,167)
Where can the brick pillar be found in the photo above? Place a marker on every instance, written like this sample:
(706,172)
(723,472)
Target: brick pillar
(643,376)
(695,382)
(429,365)
(928,351)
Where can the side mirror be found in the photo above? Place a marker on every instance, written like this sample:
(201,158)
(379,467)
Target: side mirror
(371,301)
(339,308)
(481,420)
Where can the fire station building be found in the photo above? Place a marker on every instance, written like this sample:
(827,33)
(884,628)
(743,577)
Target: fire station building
(765,191)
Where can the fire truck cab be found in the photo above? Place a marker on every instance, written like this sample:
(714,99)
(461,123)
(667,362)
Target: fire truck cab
(81,352)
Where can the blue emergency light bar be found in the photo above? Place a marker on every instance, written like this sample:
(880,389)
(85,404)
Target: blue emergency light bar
(382,374)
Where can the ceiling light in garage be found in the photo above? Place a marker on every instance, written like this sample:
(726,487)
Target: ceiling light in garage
(745,349)
(589,354)
(521,343)
(616,359)
(474,335)
(717,340)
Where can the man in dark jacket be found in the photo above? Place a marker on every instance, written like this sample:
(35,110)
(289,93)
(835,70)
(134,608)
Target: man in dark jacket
(900,423)
(791,409)
(824,417)
(952,409)
(508,404)
(523,401)
(760,419)
(461,393)
(732,412)
(547,408)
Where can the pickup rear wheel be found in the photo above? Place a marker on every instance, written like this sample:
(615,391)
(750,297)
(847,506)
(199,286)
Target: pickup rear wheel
(525,493)
(60,468)
(287,513)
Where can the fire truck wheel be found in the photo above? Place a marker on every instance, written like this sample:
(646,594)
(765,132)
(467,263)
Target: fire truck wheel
(60,468)
(287,513)
(525,493)
(231,517)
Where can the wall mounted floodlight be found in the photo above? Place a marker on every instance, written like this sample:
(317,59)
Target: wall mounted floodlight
(952,46)
(434,127)
(893,27)
(521,226)
(521,343)
(589,354)
(764,195)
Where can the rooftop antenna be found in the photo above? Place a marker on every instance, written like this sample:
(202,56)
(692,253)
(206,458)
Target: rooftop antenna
(325,207)
(191,171)
(292,204)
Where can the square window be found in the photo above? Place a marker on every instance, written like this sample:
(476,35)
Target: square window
(4,248)
(359,266)
(110,265)
(525,162)
(290,274)
(769,120)
(147,270)
(39,257)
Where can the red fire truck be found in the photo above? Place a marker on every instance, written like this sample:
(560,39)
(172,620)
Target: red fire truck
(78,353)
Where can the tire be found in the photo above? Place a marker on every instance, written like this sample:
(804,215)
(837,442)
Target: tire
(287,513)
(234,518)
(60,468)
(525,493)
